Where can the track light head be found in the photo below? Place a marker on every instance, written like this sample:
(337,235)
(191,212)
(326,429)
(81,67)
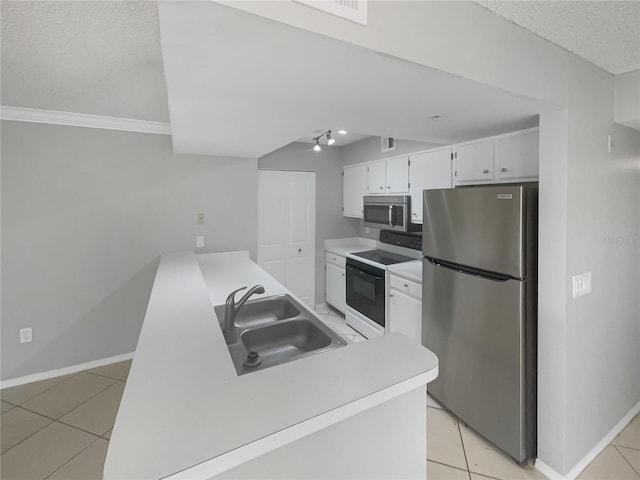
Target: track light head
(330,141)
(317,146)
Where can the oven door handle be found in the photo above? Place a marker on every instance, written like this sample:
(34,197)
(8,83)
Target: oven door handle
(361,273)
(391,215)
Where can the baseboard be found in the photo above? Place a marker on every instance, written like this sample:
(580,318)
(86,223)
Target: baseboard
(593,453)
(65,371)
(547,471)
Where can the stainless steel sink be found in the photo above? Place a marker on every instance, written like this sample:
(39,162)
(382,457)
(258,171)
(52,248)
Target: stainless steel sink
(262,311)
(275,330)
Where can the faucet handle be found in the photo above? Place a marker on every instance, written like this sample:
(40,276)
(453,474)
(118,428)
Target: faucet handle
(233,294)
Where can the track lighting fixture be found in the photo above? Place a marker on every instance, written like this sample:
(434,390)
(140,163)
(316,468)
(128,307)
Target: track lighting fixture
(330,141)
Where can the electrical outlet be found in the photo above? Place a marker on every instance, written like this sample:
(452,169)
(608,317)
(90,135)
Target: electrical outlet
(200,241)
(581,284)
(26,335)
(201,219)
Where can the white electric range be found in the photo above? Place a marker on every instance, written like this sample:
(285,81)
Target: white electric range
(367,276)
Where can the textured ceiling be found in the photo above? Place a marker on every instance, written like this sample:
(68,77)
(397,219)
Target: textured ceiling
(242,85)
(605,33)
(96,57)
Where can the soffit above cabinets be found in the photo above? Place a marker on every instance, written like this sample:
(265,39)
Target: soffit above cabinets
(242,85)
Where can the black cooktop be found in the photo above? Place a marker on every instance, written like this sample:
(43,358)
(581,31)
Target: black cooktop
(383,257)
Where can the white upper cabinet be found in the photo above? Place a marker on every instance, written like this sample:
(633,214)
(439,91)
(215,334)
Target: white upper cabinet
(354,187)
(512,157)
(517,156)
(397,175)
(473,162)
(376,178)
(427,171)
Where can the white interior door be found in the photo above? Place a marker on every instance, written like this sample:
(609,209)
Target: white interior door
(286,229)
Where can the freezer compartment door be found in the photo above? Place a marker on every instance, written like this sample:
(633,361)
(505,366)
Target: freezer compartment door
(482,227)
(476,328)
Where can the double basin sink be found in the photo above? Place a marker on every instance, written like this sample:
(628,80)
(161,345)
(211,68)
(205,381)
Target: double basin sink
(274,330)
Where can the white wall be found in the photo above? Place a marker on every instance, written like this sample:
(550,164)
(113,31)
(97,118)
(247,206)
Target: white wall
(588,379)
(627,87)
(370,149)
(329,220)
(85,215)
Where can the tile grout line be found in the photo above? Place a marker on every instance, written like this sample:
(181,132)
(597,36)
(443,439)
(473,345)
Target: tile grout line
(53,420)
(464,450)
(447,465)
(77,406)
(625,458)
(29,436)
(74,456)
(40,393)
(57,420)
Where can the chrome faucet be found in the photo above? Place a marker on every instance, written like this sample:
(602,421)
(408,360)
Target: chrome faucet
(231,309)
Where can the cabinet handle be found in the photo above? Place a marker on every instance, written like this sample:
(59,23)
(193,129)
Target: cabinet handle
(299,250)
(406,285)
(388,186)
(391,295)
(503,169)
(381,188)
(343,274)
(415,214)
(485,171)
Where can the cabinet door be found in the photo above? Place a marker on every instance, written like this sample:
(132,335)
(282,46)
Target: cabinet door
(354,187)
(427,171)
(473,162)
(376,178)
(397,175)
(336,287)
(405,315)
(517,156)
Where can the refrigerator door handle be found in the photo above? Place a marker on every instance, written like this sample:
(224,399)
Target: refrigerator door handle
(497,277)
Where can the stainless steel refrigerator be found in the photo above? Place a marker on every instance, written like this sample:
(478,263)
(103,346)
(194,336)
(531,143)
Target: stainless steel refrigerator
(479,308)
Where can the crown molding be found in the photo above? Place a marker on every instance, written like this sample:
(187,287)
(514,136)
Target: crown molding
(36,115)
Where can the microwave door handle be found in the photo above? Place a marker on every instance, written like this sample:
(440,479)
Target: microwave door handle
(390,215)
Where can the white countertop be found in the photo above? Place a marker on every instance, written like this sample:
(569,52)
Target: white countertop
(409,270)
(186,414)
(342,246)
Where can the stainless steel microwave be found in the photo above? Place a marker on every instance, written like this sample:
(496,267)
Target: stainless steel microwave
(388,212)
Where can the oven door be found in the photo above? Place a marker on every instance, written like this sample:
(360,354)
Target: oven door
(365,290)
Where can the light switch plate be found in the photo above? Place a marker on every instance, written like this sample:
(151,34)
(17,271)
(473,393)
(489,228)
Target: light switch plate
(26,335)
(581,284)
(200,241)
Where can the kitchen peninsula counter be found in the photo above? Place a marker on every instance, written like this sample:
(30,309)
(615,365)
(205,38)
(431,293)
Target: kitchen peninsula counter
(185,413)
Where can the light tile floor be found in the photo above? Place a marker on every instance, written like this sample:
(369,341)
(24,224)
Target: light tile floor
(59,429)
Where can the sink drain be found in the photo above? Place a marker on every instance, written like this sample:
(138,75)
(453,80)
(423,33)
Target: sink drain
(253,360)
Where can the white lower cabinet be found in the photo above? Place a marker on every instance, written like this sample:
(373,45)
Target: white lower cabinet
(335,290)
(405,307)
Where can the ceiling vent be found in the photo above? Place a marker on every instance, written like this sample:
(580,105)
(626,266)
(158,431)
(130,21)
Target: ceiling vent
(388,143)
(353,10)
